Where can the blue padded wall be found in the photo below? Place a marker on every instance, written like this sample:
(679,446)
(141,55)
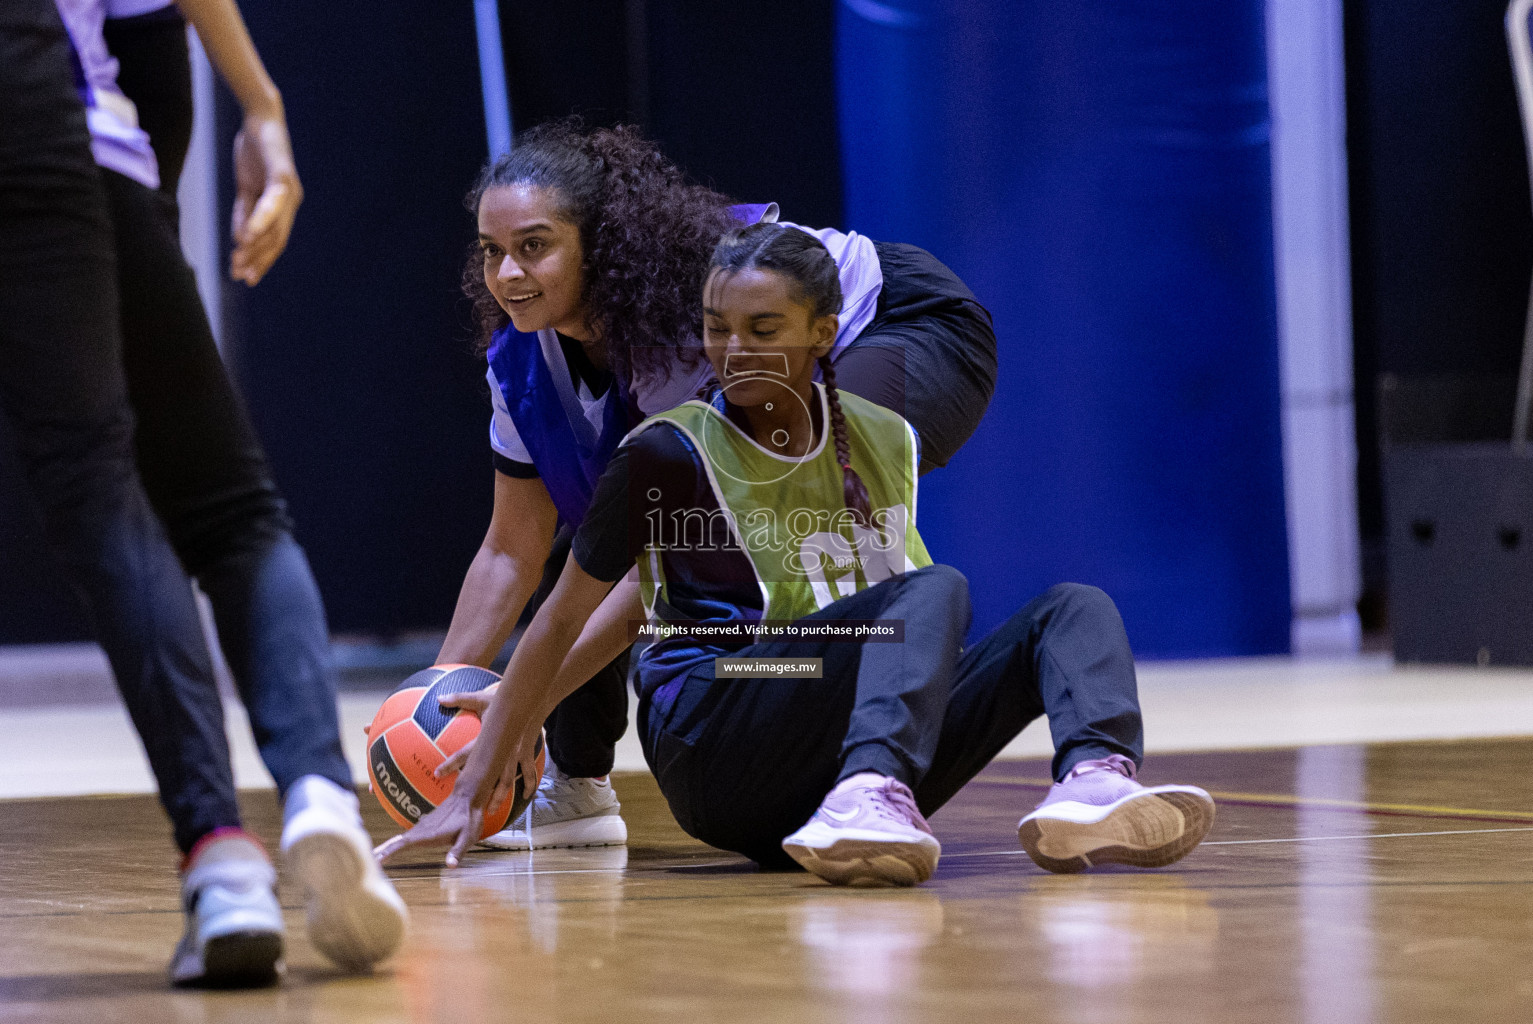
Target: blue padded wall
(1099,175)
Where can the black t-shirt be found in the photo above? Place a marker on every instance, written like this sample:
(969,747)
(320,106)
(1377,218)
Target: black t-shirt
(655,491)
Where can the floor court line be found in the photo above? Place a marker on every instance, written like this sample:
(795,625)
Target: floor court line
(951,856)
(1291,800)
(1381,835)
(1289,839)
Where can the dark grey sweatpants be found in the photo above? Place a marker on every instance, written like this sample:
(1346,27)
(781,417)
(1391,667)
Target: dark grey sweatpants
(745,762)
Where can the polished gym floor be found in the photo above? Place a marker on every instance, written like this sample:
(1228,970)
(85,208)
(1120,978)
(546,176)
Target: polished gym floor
(1344,883)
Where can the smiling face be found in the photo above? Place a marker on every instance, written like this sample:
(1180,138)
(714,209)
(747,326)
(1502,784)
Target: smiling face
(533,261)
(760,335)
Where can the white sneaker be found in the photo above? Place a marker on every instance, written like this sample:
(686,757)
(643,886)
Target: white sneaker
(233,933)
(1099,814)
(868,831)
(565,812)
(355,916)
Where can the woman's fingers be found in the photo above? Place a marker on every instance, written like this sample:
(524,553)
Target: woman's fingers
(404,841)
(527,768)
(475,701)
(444,825)
(456,762)
(386,849)
(502,790)
(267,196)
(468,835)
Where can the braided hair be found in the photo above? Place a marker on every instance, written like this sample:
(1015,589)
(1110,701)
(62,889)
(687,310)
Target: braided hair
(645,232)
(799,256)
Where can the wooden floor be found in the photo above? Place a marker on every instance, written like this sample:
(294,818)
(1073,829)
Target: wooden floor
(1348,884)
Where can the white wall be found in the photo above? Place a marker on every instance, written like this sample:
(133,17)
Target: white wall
(1309,186)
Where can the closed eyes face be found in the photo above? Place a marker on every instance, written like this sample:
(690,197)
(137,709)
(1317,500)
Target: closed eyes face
(760,335)
(533,262)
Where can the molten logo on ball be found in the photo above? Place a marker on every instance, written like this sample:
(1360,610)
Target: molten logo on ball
(396,792)
(413,734)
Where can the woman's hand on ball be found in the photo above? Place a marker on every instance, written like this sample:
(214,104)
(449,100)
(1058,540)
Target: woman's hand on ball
(525,762)
(474,702)
(455,821)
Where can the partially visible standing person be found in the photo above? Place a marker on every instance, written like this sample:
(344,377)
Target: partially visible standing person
(71,240)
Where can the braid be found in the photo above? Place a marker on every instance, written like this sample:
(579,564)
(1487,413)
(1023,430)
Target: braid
(853,490)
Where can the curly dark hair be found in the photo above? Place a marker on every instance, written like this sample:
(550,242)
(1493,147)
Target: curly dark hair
(646,234)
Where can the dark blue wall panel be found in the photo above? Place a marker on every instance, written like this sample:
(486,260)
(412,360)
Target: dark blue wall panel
(1099,174)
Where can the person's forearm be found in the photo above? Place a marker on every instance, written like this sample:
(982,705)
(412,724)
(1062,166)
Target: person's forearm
(515,710)
(496,588)
(606,635)
(223,34)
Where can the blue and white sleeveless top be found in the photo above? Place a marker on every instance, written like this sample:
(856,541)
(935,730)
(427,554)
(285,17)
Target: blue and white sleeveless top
(564,432)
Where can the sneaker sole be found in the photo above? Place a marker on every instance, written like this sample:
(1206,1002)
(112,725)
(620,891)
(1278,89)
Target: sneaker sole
(1150,829)
(863,862)
(603,830)
(246,959)
(349,922)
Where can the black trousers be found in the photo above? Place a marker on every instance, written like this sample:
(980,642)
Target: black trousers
(63,391)
(745,762)
(208,480)
(202,464)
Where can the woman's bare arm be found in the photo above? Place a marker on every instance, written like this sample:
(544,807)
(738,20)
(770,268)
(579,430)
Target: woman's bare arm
(503,574)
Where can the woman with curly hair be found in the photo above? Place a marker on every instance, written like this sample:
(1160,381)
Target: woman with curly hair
(592,251)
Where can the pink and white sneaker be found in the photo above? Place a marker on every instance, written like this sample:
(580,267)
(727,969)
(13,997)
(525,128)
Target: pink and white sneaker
(867,831)
(1098,814)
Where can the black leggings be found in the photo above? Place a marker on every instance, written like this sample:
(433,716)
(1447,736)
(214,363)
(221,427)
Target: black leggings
(208,480)
(745,762)
(928,354)
(201,462)
(63,392)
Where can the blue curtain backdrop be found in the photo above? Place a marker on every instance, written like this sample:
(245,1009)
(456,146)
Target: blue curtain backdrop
(1099,175)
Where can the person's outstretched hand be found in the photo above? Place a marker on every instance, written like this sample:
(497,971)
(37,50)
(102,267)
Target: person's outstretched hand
(267,194)
(456,822)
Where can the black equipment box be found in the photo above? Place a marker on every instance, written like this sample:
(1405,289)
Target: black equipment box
(1459,515)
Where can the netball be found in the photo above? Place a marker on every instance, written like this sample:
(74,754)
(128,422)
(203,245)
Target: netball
(412,735)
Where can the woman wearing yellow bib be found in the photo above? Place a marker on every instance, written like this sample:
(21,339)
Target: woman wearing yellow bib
(808,695)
